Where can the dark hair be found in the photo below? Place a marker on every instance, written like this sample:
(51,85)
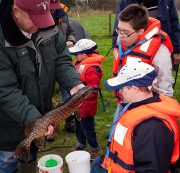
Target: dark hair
(137,15)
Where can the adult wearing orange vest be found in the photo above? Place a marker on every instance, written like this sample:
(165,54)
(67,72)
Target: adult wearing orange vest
(90,72)
(144,136)
(141,37)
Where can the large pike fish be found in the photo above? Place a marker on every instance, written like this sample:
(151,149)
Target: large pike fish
(39,128)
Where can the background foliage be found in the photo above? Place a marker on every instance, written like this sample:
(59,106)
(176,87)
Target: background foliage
(99,4)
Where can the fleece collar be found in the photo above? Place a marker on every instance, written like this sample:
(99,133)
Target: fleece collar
(11,32)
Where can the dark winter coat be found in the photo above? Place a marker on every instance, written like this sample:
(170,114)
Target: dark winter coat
(28,71)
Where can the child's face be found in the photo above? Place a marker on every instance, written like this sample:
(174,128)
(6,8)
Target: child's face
(80,57)
(128,36)
(128,93)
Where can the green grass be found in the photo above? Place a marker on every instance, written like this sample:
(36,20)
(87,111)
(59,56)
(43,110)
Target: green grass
(98,27)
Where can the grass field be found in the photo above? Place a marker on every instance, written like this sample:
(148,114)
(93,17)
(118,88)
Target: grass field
(97,27)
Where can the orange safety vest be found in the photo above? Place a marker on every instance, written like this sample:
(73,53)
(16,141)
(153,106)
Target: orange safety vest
(120,158)
(154,36)
(83,66)
(64,7)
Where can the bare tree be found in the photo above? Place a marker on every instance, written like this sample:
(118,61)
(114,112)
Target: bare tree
(93,4)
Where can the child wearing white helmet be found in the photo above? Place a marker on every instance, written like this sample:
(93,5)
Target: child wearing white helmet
(90,72)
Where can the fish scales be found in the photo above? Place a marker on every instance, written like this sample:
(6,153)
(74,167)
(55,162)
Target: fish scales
(40,126)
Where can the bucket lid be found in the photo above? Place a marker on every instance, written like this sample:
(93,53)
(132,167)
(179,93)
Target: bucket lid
(51,163)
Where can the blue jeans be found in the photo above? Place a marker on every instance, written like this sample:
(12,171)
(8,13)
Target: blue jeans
(8,162)
(85,130)
(96,166)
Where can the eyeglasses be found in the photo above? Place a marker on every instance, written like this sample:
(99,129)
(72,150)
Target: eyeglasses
(125,35)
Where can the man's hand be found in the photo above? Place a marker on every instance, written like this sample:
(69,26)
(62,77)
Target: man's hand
(75,89)
(176,58)
(50,130)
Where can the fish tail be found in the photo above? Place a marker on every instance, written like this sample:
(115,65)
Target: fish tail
(23,151)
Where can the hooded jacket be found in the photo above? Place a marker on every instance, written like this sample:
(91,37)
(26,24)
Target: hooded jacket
(64,25)
(28,71)
(90,72)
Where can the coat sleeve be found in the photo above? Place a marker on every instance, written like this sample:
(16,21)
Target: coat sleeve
(65,71)
(12,100)
(162,62)
(175,27)
(93,79)
(152,145)
(70,33)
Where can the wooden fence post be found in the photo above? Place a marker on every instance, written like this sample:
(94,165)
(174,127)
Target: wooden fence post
(110,24)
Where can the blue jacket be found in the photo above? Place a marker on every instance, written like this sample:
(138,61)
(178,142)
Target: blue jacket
(168,16)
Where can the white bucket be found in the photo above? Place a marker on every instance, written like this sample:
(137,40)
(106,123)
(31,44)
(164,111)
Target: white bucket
(55,169)
(78,162)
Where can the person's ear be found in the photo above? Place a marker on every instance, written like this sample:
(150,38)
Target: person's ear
(84,56)
(16,12)
(136,89)
(141,32)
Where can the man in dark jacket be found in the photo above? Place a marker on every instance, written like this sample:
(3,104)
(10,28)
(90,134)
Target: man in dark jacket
(72,30)
(33,55)
(165,11)
(62,21)
(80,32)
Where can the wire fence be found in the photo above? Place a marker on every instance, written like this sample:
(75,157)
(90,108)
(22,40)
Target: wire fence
(91,4)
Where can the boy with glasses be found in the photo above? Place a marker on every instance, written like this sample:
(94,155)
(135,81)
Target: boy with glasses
(163,10)
(140,36)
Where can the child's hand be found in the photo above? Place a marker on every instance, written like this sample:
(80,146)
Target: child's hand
(75,89)
(69,44)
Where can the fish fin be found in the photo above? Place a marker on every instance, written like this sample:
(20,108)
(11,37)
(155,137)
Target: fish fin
(40,142)
(23,151)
